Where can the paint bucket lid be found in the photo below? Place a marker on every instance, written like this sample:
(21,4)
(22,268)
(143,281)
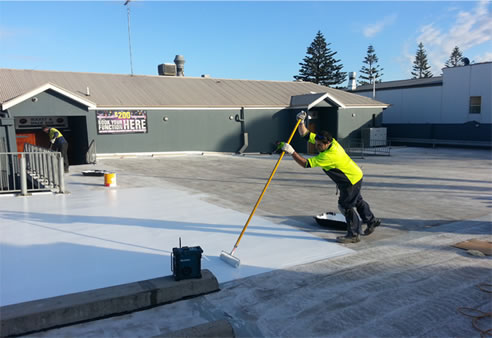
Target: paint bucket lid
(94,172)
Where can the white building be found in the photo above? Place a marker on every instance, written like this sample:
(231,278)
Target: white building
(455,108)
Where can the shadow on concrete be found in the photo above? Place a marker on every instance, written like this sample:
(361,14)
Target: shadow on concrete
(436,225)
(427,178)
(308,224)
(49,218)
(322,181)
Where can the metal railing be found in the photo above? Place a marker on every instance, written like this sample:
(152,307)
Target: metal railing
(358,149)
(35,169)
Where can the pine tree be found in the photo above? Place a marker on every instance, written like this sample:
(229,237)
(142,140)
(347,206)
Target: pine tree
(456,58)
(372,72)
(319,66)
(421,68)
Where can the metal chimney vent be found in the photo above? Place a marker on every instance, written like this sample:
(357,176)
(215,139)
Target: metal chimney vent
(351,82)
(179,61)
(167,69)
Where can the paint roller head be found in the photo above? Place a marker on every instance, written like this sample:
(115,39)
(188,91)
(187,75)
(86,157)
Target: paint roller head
(230,259)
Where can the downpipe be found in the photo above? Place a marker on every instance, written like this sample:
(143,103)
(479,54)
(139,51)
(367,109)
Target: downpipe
(245,143)
(240,118)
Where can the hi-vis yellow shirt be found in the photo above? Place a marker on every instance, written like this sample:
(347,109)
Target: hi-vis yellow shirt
(335,163)
(54,134)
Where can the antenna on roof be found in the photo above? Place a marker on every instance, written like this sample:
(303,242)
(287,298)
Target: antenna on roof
(127,2)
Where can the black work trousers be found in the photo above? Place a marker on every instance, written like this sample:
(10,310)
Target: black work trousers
(62,147)
(349,199)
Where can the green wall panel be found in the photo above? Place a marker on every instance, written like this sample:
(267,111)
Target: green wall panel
(352,120)
(197,129)
(200,130)
(49,103)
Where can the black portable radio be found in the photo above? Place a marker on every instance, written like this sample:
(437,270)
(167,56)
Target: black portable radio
(186,262)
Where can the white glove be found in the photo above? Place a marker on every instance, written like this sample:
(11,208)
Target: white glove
(288,149)
(302,115)
(53,140)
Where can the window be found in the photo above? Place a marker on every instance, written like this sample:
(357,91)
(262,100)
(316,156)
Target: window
(475,104)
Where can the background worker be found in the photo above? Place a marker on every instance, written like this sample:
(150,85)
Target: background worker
(58,143)
(335,162)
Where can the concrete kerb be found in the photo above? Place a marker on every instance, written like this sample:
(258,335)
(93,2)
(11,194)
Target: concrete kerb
(43,314)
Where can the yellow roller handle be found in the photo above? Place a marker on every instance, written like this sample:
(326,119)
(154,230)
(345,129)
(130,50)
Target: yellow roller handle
(265,188)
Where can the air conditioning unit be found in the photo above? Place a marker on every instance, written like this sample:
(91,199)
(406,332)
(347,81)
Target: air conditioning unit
(374,137)
(167,69)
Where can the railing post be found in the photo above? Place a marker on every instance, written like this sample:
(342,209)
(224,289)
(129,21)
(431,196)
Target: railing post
(61,172)
(23,175)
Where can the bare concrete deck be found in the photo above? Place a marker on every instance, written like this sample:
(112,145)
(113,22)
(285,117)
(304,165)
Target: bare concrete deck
(403,280)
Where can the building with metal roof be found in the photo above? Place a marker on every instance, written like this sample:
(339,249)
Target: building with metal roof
(152,114)
(454,109)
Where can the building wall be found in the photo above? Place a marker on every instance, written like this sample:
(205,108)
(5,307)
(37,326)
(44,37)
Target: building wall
(444,104)
(351,121)
(212,130)
(49,103)
(441,112)
(469,131)
(171,130)
(410,105)
(183,131)
(199,130)
(459,83)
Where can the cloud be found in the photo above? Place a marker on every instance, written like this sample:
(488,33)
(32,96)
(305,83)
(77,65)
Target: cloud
(371,30)
(469,29)
(487,57)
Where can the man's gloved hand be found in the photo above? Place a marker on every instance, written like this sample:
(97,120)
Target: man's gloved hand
(52,140)
(287,148)
(302,115)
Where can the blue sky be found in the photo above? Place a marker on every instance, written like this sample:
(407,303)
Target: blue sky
(254,40)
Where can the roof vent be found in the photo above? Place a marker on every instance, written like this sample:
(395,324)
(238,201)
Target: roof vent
(351,82)
(207,76)
(179,61)
(167,69)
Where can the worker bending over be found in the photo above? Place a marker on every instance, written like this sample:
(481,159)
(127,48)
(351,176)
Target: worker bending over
(58,143)
(346,175)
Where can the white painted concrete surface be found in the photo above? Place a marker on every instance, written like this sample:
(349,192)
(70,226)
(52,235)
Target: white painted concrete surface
(97,237)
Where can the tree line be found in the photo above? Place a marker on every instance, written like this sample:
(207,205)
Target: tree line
(320,65)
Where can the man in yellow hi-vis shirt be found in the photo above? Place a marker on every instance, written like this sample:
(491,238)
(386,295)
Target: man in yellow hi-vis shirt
(58,143)
(335,162)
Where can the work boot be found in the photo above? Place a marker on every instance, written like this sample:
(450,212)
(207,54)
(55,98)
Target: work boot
(372,226)
(348,239)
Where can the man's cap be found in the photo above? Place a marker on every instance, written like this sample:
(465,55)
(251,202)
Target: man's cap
(324,137)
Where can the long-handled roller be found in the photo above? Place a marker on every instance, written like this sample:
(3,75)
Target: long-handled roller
(229,257)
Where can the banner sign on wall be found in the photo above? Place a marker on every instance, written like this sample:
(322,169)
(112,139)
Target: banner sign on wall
(121,121)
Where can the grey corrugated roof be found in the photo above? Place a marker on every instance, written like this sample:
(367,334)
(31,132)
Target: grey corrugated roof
(118,90)
(430,81)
